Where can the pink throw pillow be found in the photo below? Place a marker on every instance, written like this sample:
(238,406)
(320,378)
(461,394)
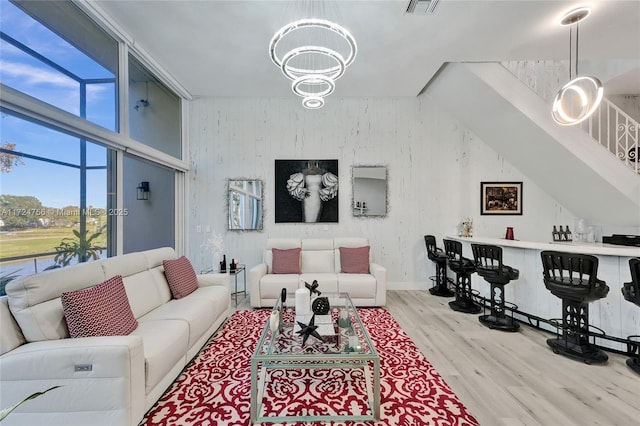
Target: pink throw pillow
(180,276)
(354,260)
(286,261)
(102,310)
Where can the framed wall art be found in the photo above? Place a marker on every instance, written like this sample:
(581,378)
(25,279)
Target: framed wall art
(306,191)
(500,198)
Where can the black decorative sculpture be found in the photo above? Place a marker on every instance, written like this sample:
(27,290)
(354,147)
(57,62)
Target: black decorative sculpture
(320,306)
(313,288)
(223,264)
(309,330)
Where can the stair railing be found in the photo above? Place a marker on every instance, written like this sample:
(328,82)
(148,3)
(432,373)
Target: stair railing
(610,126)
(616,131)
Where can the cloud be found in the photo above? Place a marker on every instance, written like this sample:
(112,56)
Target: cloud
(33,76)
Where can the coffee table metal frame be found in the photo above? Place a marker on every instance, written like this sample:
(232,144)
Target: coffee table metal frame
(366,359)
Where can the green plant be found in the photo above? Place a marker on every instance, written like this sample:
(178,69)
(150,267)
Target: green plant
(81,247)
(5,412)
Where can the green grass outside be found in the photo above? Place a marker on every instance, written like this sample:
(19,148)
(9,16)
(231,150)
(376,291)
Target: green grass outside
(38,240)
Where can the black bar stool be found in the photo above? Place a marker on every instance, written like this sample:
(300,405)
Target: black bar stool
(488,260)
(631,292)
(573,278)
(463,268)
(437,256)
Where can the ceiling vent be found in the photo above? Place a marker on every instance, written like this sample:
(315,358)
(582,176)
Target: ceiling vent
(421,6)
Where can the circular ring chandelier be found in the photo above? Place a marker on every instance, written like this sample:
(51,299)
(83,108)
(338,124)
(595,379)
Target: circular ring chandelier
(577,100)
(313,80)
(581,96)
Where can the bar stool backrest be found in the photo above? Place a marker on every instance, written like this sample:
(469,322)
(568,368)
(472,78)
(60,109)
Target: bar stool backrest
(488,258)
(432,249)
(453,249)
(572,275)
(631,290)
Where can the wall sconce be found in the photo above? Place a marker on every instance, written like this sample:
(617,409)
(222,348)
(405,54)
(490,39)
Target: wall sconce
(143,191)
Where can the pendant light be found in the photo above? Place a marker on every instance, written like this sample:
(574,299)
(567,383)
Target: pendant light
(581,96)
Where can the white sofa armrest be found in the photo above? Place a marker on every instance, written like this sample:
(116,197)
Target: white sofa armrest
(213,279)
(102,380)
(380,274)
(255,275)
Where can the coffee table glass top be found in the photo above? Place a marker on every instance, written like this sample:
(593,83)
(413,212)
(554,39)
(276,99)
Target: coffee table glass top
(341,330)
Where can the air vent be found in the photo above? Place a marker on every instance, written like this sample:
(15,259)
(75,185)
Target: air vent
(421,6)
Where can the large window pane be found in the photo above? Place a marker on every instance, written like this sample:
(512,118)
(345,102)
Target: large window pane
(68,62)
(154,113)
(43,199)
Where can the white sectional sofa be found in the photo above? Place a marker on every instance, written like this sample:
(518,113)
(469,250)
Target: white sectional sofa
(110,380)
(319,260)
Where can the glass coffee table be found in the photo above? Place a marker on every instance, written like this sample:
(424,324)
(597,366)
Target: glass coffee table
(345,345)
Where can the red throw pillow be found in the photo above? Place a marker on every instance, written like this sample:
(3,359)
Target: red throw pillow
(354,260)
(286,261)
(180,276)
(102,310)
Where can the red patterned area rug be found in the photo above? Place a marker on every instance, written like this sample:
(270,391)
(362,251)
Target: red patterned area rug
(215,387)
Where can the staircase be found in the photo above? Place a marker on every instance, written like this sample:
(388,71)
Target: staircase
(564,161)
(609,125)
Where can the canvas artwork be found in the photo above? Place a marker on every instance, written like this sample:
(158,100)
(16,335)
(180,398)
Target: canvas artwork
(306,191)
(501,198)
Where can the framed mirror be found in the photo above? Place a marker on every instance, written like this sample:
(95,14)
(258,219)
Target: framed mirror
(369,191)
(245,204)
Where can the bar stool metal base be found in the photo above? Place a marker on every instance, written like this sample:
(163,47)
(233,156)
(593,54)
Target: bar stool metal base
(634,364)
(441,291)
(441,282)
(584,352)
(464,300)
(502,323)
(465,305)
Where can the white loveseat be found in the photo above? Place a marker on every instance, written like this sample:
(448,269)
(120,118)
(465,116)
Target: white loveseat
(104,380)
(319,260)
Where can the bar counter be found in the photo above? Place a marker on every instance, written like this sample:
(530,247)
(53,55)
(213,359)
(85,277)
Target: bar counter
(613,314)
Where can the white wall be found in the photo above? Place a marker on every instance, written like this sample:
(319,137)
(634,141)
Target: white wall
(434,165)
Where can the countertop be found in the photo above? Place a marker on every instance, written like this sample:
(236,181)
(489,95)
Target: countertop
(571,247)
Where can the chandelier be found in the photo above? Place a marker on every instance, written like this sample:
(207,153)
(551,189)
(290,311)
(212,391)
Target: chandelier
(313,54)
(580,97)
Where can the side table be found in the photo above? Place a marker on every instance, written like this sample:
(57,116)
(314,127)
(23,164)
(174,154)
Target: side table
(241,269)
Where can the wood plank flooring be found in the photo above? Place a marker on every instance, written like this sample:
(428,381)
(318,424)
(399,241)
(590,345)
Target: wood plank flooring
(514,379)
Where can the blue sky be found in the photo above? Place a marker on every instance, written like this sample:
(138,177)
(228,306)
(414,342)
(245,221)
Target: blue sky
(53,185)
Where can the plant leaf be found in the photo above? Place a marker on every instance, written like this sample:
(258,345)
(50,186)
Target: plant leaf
(5,412)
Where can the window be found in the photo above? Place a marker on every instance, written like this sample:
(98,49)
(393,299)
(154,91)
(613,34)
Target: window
(52,185)
(154,111)
(70,63)
(59,175)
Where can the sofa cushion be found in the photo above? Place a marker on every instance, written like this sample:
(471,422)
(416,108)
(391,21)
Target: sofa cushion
(34,300)
(286,261)
(165,344)
(359,286)
(327,283)
(271,285)
(354,260)
(317,261)
(352,242)
(279,243)
(10,336)
(199,310)
(180,276)
(102,310)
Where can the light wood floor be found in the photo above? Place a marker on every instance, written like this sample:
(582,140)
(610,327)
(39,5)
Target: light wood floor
(514,378)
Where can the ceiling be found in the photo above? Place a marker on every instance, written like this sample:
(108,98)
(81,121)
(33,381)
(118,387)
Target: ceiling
(219,48)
